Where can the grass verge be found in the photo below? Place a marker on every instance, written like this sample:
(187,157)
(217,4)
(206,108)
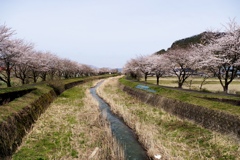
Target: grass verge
(71,128)
(162,133)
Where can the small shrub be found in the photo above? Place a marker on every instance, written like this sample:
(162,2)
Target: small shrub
(205,90)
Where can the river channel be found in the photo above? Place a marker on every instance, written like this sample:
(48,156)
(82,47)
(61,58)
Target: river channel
(124,135)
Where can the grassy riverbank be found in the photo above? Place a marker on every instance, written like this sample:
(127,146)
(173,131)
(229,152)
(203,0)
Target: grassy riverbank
(71,128)
(208,100)
(162,133)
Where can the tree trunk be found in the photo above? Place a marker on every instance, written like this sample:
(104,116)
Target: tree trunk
(225,88)
(8,76)
(180,84)
(34,78)
(202,83)
(157,79)
(52,75)
(145,77)
(9,82)
(44,76)
(23,81)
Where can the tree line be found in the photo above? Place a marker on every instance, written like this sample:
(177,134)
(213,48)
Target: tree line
(19,59)
(217,55)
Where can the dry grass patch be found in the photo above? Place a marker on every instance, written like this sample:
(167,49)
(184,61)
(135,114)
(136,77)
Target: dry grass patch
(211,84)
(162,133)
(71,128)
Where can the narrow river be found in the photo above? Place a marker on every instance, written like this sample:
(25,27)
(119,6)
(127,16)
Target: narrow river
(124,135)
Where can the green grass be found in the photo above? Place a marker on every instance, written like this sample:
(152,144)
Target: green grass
(15,89)
(196,98)
(57,136)
(19,103)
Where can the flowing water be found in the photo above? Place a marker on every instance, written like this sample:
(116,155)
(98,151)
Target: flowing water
(124,135)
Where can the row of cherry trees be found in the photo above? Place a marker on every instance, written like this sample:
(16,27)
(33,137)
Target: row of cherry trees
(218,56)
(19,58)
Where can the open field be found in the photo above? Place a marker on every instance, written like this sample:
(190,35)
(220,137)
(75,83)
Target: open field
(162,133)
(71,128)
(211,84)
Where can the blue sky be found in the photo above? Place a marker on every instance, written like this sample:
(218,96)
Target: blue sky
(107,33)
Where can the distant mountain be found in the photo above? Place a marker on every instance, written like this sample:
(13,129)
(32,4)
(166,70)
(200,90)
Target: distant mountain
(162,51)
(202,38)
(119,70)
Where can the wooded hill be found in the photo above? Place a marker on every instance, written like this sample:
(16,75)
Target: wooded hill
(202,38)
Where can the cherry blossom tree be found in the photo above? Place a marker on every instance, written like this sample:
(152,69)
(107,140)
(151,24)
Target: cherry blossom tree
(86,70)
(52,64)
(159,65)
(114,71)
(10,51)
(7,53)
(36,65)
(5,34)
(144,65)
(222,55)
(68,68)
(183,63)
(74,68)
(103,70)
(44,61)
(131,69)
(22,67)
